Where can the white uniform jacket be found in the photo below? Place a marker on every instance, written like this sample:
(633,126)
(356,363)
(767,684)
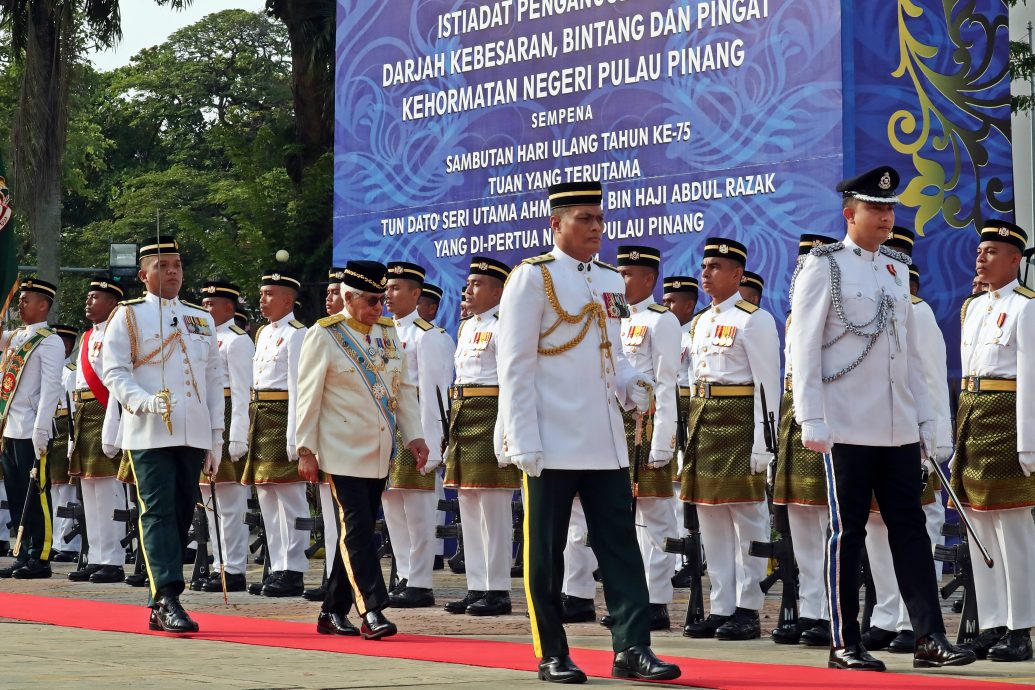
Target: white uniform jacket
(651,342)
(236,352)
(275,367)
(428,351)
(36,398)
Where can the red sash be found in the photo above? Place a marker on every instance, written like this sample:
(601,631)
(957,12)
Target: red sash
(92,380)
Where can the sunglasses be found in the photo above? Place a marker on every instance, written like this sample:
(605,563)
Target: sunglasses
(374,300)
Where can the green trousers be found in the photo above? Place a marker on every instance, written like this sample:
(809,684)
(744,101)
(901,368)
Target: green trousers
(167,483)
(17,459)
(607,500)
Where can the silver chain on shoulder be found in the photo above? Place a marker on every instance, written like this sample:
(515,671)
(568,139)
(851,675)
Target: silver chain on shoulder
(885,307)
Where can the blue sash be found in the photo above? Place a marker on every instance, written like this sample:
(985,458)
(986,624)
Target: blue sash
(379,390)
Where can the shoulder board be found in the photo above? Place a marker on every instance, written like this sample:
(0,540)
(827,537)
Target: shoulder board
(329,321)
(496,315)
(896,255)
(966,306)
(70,366)
(234,328)
(45,332)
(660,308)
(138,300)
(295,323)
(609,267)
(386,321)
(423,325)
(541,259)
(1024,292)
(824,249)
(744,305)
(193,306)
(441,330)
(917,300)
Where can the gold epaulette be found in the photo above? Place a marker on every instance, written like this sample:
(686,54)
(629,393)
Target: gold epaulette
(329,321)
(234,328)
(423,325)
(744,305)
(602,264)
(295,323)
(965,307)
(660,308)
(71,366)
(138,300)
(787,324)
(541,259)
(1024,292)
(693,323)
(386,321)
(194,306)
(917,300)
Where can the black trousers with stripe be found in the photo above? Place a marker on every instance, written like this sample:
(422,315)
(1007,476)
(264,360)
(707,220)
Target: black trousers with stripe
(356,576)
(892,475)
(18,458)
(606,497)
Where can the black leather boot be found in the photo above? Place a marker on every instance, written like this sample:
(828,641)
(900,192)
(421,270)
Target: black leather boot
(335,624)
(560,669)
(935,651)
(494,603)
(1014,646)
(853,658)
(578,610)
(640,662)
(705,629)
(742,625)
(461,605)
(375,626)
(167,614)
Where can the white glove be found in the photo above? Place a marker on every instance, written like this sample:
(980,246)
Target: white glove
(212,463)
(292,453)
(110,451)
(40,439)
(529,463)
(927,441)
(816,435)
(941,453)
(156,404)
(1027,461)
(237,450)
(760,461)
(431,465)
(659,458)
(637,393)
(503,461)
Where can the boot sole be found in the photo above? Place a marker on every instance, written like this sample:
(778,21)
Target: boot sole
(924,663)
(501,612)
(380,634)
(622,672)
(842,667)
(573,680)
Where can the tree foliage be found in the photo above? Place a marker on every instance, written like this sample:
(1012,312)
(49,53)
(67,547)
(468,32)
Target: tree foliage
(1022,67)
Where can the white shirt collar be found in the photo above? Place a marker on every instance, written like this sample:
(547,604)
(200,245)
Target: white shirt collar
(567,261)
(859,251)
(1004,290)
(727,303)
(487,314)
(642,305)
(408,319)
(283,321)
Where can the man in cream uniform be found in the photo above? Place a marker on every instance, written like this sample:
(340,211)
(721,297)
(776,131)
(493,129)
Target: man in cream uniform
(563,380)
(236,351)
(160,360)
(352,393)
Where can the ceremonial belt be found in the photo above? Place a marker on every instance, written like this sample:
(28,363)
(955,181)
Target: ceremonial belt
(686,392)
(226,392)
(12,369)
(978,384)
(705,389)
(267,395)
(83,395)
(459,392)
(788,383)
(61,413)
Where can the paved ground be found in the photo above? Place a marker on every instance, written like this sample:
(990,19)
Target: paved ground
(39,655)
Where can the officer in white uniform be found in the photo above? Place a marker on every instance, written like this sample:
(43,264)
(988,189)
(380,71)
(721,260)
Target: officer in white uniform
(160,359)
(62,488)
(30,372)
(861,400)
(751,287)
(995,451)
(563,380)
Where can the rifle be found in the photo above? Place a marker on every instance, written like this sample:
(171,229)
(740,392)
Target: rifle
(385,551)
(692,571)
(870,597)
(453,531)
(963,576)
(517,511)
(219,538)
(199,532)
(74,512)
(444,415)
(131,517)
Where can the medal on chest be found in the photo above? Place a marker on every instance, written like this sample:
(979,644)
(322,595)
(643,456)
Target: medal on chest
(635,335)
(616,306)
(894,274)
(724,336)
(481,340)
(197,325)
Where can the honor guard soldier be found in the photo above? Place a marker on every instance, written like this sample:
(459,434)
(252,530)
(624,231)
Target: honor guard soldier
(272,451)
(428,302)
(160,360)
(333,303)
(241,320)
(94,428)
(353,396)
(995,442)
(735,357)
(410,500)
(799,483)
(751,287)
(563,379)
(860,398)
(30,385)
(62,490)
(485,490)
(236,353)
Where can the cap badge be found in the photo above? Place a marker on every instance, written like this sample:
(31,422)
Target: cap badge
(724,249)
(483,266)
(817,243)
(677,284)
(1005,232)
(885,181)
(634,256)
(383,282)
(396,269)
(211,289)
(102,285)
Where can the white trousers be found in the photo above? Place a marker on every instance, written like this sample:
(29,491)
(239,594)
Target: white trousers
(809,534)
(579,559)
(656,522)
(410,516)
(232,500)
(727,531)
(1005,593)
(488,528)
(677,511)
(5,515)
(62,495)
(330,528)
(280,505)
(440,515)
(102,496)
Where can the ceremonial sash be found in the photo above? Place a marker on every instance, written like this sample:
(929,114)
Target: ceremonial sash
(12,371)
(92,380)
(376,386)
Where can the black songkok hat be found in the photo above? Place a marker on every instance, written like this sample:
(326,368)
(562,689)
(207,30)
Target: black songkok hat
(163,244)
(809,240)
(221,288)
(404,269)
(752,280)
(485,266)
(636,255)
(996,230)
(280,276)
(335,275)
(901,239)
(680,284)
(40,287)
(875,186)
(367,276)
(105,283)
(722,248)
(575,194)
(914,273)
(65,331)
(432,291)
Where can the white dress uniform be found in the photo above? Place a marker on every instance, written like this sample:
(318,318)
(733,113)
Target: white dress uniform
(1005,593)
(410,514)
(63,494)
(236,352)
(277,351)
(683,378)
(727,529)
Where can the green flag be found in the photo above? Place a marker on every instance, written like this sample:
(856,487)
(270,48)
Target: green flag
(8,249)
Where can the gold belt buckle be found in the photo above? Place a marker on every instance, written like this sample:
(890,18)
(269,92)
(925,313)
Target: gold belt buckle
(455,393)
(972,384)
(705,389)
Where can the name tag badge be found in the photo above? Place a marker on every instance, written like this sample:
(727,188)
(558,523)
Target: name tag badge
(616,306)
(197,325)
(482,339)
(635,335)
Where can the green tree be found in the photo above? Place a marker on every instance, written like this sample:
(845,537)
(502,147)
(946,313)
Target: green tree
(1022,67)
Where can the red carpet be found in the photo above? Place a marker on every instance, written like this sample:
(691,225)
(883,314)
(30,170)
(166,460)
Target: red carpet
(94,615)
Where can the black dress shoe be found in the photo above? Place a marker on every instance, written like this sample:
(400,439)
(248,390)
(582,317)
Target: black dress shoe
(791,634)
(289,584)
(659,619)
(34,569)
(1014,646)
(578,610)
(136,580)
(256,587)
(904,643)
(494,603)
(935,651)
(742,625)
(335,624)
(235,582)
(560,669)
(607,621)
(854,658)
(876,639)
(375,626)
(705,629)
(64,557)
(818,635)
(412,598)
(985,640)
(9,571)
(83,574)
(460,606)
(640,662)
(168,615)
(108,574)
(399,587)
(315,594)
